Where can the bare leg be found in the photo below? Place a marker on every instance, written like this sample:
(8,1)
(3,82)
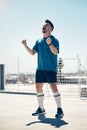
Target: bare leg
(39,87)
(53,87)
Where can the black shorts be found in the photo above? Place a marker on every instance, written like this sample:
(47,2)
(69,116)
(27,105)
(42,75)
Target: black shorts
(43,76)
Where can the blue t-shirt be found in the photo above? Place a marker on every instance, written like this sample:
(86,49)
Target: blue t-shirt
(46,59)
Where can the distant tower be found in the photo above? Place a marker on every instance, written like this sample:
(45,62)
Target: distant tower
(60,66)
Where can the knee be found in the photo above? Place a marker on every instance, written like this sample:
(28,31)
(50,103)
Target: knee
(54,87)
(39,89)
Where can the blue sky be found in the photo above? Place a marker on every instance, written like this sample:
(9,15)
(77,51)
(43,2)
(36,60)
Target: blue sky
(23,19)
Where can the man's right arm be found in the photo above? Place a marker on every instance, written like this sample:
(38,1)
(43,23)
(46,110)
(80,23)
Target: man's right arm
(31,51)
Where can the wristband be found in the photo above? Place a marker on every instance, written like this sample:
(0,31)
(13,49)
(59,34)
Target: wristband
(50,44)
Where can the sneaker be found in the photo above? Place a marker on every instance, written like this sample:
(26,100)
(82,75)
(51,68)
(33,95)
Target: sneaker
(39,111)
(60,113)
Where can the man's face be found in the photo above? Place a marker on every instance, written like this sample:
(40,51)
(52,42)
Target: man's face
(46,28)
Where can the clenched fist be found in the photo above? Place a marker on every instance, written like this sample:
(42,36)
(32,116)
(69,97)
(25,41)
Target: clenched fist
(24,42)
(48,40)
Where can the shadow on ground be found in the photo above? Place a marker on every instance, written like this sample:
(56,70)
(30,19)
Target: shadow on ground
(56,122)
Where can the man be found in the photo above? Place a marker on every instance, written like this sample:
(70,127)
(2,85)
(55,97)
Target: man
(47,49)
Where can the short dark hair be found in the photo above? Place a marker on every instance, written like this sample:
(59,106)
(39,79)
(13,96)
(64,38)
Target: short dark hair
(48,21)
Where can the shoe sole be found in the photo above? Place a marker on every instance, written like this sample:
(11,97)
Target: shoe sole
(60,116)
(39,114)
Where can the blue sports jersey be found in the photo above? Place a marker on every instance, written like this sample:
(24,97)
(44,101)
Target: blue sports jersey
(46,59)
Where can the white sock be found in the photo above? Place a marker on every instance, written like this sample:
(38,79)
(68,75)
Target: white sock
(57,98)
(40,98)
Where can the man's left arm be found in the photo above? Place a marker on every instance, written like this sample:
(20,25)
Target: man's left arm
(53,49)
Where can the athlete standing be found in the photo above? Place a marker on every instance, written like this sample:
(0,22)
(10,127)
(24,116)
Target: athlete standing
(47,49)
